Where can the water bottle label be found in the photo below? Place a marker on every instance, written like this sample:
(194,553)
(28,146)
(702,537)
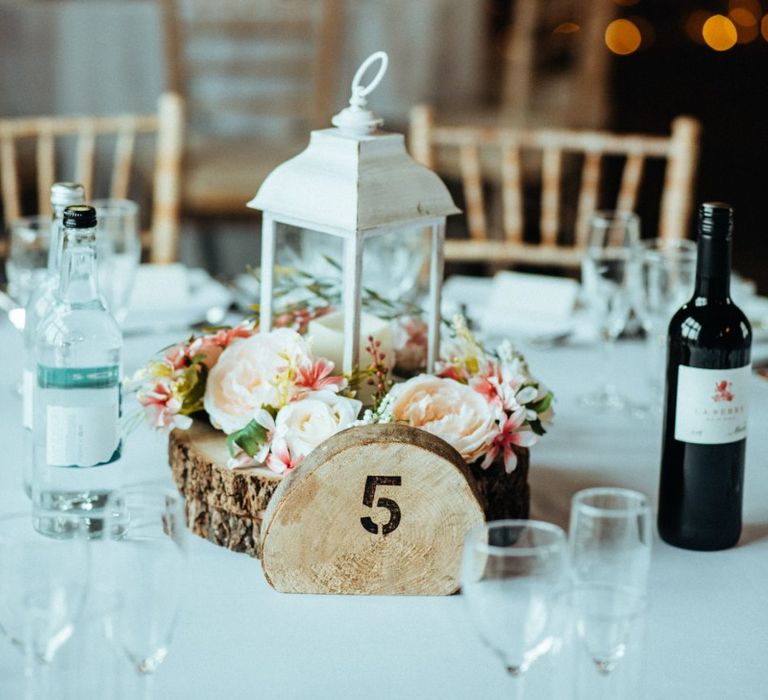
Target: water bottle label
(27,387)
(712,405)
(83,436)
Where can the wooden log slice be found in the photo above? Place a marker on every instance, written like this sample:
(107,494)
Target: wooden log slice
(223,505)
(375,509)
(227,506)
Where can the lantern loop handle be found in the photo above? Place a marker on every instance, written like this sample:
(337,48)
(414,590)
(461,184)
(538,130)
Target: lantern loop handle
(359,91)
(356,119)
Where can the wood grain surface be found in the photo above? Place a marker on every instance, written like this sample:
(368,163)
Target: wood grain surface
(438,495)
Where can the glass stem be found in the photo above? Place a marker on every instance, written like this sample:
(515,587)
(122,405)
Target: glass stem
(37,677)
(519,682)
(608,363)
(148,686)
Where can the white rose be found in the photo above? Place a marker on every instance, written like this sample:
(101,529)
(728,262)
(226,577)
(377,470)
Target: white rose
(246,377)
(449,409)
(305,423)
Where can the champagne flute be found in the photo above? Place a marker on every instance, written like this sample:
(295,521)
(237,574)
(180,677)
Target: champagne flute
(610,548)
(147,535)
(607,277)
(513,574)
(43,585)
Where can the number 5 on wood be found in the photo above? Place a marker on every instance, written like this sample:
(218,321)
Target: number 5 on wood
(371,482)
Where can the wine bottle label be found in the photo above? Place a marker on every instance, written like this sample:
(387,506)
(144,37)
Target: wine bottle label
(27,387)
(711,405)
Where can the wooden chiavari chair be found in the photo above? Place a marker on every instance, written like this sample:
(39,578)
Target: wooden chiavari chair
(492,157)
(44,133)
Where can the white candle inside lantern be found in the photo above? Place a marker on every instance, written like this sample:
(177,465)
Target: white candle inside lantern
(327,336)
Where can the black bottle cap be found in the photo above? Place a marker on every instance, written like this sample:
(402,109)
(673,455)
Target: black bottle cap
(79,216)
(716,219)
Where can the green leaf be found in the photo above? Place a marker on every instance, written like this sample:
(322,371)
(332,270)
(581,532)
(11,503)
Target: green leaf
(332,262)
(197,375)
(249,439)
(537,427)
(543,403)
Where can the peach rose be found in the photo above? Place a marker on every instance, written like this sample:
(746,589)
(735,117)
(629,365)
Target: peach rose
(249,374)
(449,409)
(305,423)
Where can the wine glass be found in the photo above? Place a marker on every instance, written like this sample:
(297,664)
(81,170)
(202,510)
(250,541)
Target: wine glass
(27,262)
(147,535)
(607,270)
(43,585)
(513,574)
(119,252)
(610,548)
(666,279)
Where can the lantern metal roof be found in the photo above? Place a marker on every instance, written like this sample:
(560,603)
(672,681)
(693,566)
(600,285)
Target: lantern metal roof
(354,178)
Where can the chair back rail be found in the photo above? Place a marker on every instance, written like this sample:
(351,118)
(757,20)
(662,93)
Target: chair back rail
(167,128)
(505,146)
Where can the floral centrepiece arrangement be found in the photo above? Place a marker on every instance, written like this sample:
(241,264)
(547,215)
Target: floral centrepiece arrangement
(276,401)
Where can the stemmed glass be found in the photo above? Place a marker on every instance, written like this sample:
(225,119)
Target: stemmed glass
(513,575)
(148,564)
(607,275)
(43,584)
(27,263)
(666,279)
(610,549)
(120,251)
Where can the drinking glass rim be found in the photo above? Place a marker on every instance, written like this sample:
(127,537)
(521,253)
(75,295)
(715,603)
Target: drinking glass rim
(494,549)
(121,205)
(687,254)
(608,217)
(675,244)
(46,219)
(640,502)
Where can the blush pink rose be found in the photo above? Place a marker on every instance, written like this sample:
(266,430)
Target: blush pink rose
(248,376)
(451,410)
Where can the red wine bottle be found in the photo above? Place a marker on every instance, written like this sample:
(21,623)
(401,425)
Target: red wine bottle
(707,387)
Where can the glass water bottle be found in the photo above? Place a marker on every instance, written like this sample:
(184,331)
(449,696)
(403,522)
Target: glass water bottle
(63,194)
(77,401)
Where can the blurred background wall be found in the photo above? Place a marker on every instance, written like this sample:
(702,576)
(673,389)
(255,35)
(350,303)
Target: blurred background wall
(105,56)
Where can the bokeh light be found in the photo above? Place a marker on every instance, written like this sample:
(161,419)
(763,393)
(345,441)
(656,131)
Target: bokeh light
(746,23)
(622,37)
(566,28)
(751,6)
(764,27)
(719,33)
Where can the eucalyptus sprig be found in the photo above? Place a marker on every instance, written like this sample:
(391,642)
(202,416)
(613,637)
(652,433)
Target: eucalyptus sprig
(309,292)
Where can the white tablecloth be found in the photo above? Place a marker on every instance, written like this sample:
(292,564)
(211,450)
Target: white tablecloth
(707,622)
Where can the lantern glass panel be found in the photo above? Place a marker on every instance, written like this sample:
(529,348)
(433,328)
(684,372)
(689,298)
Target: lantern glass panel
(394,262)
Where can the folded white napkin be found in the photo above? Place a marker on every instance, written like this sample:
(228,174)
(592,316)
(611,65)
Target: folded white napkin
(160,288)
(526,305)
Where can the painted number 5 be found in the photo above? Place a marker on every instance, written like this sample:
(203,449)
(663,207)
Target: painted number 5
(371,483)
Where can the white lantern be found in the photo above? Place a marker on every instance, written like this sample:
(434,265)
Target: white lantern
(355,181)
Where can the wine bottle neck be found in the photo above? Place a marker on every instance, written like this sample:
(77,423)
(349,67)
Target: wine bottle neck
(713,267)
